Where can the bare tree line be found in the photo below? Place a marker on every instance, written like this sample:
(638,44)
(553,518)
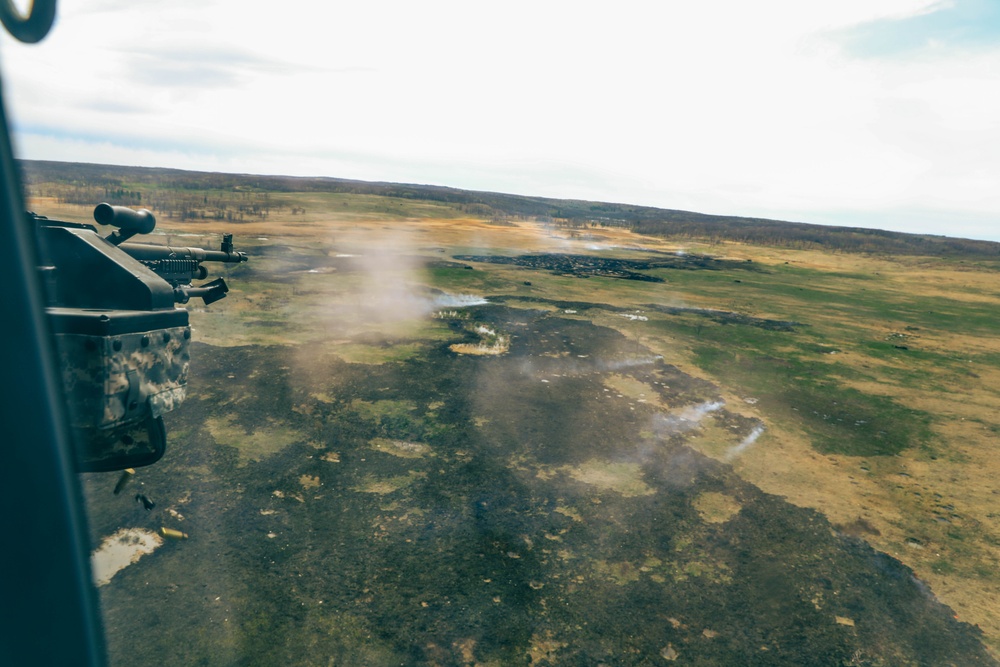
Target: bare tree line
(188,195)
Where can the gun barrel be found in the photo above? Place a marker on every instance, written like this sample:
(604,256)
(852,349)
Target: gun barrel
(151,252)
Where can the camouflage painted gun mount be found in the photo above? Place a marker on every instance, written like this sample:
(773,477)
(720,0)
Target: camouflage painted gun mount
(122,341)
(116,384)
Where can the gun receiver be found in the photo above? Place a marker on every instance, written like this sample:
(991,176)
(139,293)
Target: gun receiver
(179,266)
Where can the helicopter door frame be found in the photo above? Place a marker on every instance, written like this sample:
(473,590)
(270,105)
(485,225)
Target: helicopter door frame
(52,615)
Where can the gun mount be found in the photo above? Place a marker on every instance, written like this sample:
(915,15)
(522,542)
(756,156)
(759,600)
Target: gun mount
(123,344)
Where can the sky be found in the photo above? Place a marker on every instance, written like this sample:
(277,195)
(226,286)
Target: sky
(870,113)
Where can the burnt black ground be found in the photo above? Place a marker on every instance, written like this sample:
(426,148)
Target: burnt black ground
(492,551)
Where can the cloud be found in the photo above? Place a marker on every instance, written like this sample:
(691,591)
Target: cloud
(758,109)
(197,65)
(115,105)
(952,26)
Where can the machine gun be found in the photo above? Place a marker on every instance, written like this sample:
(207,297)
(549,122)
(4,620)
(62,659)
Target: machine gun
(122,343)
(177,266)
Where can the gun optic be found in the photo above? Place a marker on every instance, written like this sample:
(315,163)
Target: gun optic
(128,221)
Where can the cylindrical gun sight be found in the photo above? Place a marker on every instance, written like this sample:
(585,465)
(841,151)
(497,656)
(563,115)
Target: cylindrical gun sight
(128,220)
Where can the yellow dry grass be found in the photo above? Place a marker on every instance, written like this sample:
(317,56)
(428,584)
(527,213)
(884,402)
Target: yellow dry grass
(252,446)
(621,477)
(714,507)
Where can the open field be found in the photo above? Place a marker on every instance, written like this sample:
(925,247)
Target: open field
(769,404)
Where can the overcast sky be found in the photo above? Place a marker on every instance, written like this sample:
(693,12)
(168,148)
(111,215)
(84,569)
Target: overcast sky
(875,113)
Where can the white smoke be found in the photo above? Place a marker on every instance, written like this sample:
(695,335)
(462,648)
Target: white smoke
(383,286)
(631,362)
(688,419)
(697,412)
(445,300)
(747,442)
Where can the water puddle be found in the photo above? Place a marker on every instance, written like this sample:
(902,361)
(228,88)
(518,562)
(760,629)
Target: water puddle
(120,550)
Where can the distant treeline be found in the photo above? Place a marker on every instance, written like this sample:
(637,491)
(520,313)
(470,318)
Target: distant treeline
(181,198)
(228,206)
(240,197)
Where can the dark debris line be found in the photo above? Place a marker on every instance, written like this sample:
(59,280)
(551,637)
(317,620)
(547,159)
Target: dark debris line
(720,316)
(585,266)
